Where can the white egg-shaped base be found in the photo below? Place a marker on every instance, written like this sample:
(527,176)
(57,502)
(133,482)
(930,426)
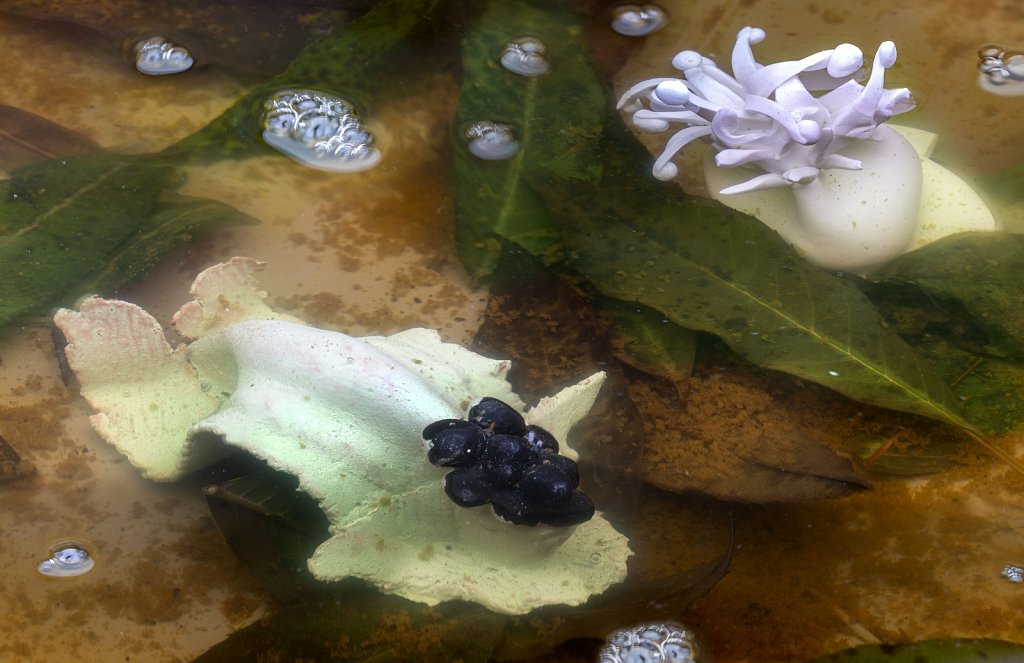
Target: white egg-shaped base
(857,220)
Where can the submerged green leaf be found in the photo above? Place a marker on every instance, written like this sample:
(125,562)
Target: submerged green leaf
(69,226)
(930,651)
(989,388)
(983,273)
(170,225)
(646,340)
(61,220)
(493,202)
(1004,190)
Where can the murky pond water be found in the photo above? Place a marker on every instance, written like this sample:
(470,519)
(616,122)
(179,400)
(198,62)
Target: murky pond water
(747,520)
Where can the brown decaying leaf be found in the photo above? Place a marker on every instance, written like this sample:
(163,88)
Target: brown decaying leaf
(12,465)
(27,138)
(742,437)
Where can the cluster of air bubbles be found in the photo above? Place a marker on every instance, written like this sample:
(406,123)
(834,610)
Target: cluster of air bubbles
(650,643)
(501,461)
(67,559)
(155,56)
(638,20)
(526,56)
(491,141)
(318,130)
(1001,71)
(1014,573)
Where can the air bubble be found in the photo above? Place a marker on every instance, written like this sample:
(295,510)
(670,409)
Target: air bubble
(638,20)
(155,56)
(491,141)
(318,130)
(67,559)
(526,56)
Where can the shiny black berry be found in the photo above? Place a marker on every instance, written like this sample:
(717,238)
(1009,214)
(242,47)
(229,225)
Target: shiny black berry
(506,449)
(509,505)
(539,439)
(430,431)
(468,486)
(579,509)
(497,417)
(566,466)
(545,486)
(458,445)
(503,474)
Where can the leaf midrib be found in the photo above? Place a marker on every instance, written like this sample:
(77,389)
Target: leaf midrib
(513,181)
(42,218)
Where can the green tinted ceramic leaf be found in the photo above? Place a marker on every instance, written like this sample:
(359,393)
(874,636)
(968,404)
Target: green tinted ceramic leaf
(72,226)
(983,273)
(931,651)
(492,199)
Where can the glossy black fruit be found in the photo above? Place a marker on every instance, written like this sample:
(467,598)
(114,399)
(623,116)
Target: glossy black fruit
(579,509)
(539,439)
(430,431)
(468,486)
(509,505)
(497,417)
(545,486)
(566,466)
(459,445)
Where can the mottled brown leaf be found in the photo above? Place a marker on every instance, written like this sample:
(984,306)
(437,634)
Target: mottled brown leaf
(26,138)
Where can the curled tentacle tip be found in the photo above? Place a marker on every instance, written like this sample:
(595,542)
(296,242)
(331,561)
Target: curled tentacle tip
(649,124)
(845,60)
(809,130)
(886,54)
(754,35)
(673,93)
(666,172)
(687,60)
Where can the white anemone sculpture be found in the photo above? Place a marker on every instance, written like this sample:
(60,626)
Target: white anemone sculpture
(801,125)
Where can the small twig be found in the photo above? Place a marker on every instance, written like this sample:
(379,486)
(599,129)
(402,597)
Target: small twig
(963,376)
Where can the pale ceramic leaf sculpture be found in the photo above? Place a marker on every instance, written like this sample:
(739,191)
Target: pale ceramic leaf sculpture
(344,415)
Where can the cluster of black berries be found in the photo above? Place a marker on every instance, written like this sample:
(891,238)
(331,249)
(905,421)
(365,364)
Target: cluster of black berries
(515,468)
